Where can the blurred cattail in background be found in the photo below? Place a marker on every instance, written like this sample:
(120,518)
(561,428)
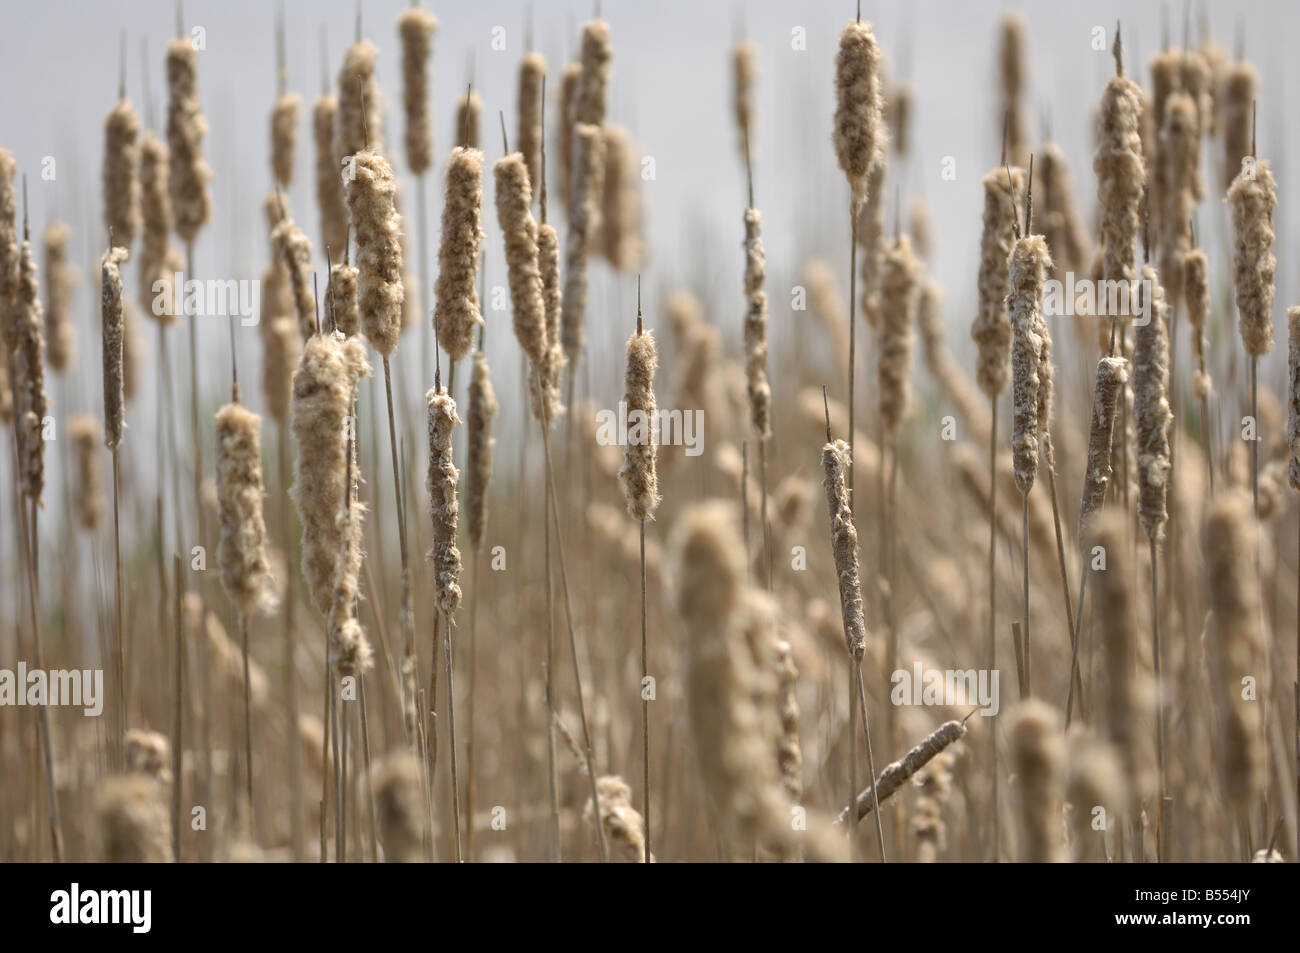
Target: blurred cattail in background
(416,28)
(329,184)
(1038,753)
(186,127)
(87,436)
(528,138)
(60,337)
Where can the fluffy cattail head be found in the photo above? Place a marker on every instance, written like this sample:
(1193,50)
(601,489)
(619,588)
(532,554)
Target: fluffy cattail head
(186,127)
(1121,175)
(900,275)
(1029,265)
(443,506)
(1151,410)
(859,132)
(245,570)
(360,125)
(121,187)
(132,820)
(27,327)
(514,199)
(1238,92)
(760,392)
(593,89)
(569,81)
(329,184)
(284,136)
(372,206)
(343,299)
(1112,375)
(528,139)
(59,336)
(1252,198)
(638,477)
(456,315)
(1196,294)
(1011,78)
(283,347)
(548,263)
(293,248)
(483,409)
(620,219)
(991,329)
(149,752)
(1237,646)
(624,826)
(87,437)
(1038,753)
(399,807)
(844,545)
(416,28)
(111,319)
(584,216)
(156,214)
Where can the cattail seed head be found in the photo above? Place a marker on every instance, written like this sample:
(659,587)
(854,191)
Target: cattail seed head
(1038,753)
(514,201)
(156,259)
(283,348)
(399,807)
(245,570)
(859,131)
(744,74)
(1253,197)
(584,213)
(1151,407)
(593,89)
(871,239)
(620,220)
(60,337)
(1238,90)
(638,477)
(469,113)
(284,137)
(1112,375)
(416,28)
(293,248)
(1121,174)
(323,389)
(760,392)
(1096,780)
(111,318)
(483,409)
(443,506)
(552,369)
(1237,646)
(844,545)
(349,649)
(991,329)
(121,187)
(900,277)
(528,138)
(186,127)
(456,315)
(359,128)
(132,820)
(372,206)
(343,299)
(1011,77)
(329,185)
(1028,268)
(149,752)
(569,81)
(1196,294)
(623,824)
(8,249)
(87,437)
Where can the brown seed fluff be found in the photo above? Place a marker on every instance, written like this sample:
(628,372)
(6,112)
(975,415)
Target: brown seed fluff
(859,135)
(60,336)
(349,649)
(760,392)
(637,475)
(1253,197)
(372,206)
(1237,645)
(568,110)
(359,131)
(329,184)
(132,820)
(282,349)
(343,299)
(1121,176)
(620,221)
(1029,265)
(86,436)
(624,826)
(1180,145)
(1196,294)
(1238,93)
(1038,754)
(991,329)
(900,275)
(111,318)
(483,409)
(241,553)
(1151,408)
(528,137)
(399,807)
(1293,395)
(844,545)
(514,215)
(284,137)
(417,28)
(1130,692)
(293,248)
(593,90)
(1112,375)
(155,239)
(186,127)
(121,187)
(896,774)
(323,388)
(443,507)
(584,213)
(548,262)
(456,314)
(469,111)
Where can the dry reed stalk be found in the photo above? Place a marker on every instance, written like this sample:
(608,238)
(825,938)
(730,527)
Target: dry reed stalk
(1236,645)
(131,820)
(293,248)
(1038,753)
(896,774)
(189,172)
(60,339)
(360,122)
(1011,81)
(456,315)
(399,801)
(624,827)
(329,185)
(284,136)
(620,237)
(1293,396)
(416,28)
(84,431)
(469,113)
(529,132)
(1237,91)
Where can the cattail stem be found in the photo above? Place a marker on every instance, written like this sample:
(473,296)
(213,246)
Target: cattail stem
(1024,512)
(119,629)
(471,765)
(406,615)
(853,333)
(248,724)
(178,684)
(451,739)
(854,667)
(871,764)
(1161,845)
(290,653)
(1072,628)
(645,704)
(194,402)
(993,605)
(553,789)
